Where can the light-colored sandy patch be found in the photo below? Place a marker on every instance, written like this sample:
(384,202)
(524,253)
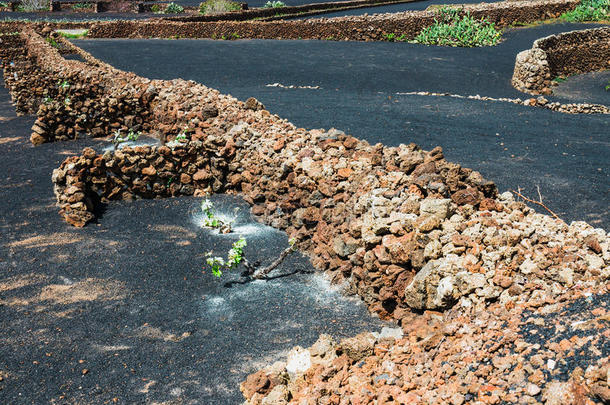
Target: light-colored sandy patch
(55,239)
(91,289)
(175,231)
(149,332)
(16,185)
(111,348)
(7,140)
(13,283)
(61,258)
(147,386)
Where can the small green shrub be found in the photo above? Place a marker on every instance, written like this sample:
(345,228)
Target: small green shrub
(218,7)
(33,5)
(391,37)
(274,4)
(80,6)
(589,10)
(3,4)
(52,42)
(155,8)
(234,257)
(449,29)
(173,8)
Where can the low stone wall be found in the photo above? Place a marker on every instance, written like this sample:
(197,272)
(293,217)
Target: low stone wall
(72,98)
(357,28)
(409,230)
(265,13)
(561,55)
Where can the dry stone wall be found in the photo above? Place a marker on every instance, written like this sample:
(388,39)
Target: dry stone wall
(561,55)
(72,98)
(407,229)
(358,28)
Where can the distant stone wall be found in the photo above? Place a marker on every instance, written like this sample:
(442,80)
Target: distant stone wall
(561,55)
(353,28)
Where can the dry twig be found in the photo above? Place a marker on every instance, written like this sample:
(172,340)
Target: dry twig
(540,203)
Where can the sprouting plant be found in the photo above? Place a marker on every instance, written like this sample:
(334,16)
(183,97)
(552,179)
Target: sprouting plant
(274,4)
(210,220)
(63,84)
(3,4)
(131,136)
(47,100)
(155,8)
(67,100)
(173,8)
(391,37)
(608,86)
(181,136)
(234,257)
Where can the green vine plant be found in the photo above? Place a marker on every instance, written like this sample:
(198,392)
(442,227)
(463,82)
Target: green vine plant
(236,255)
(211,220)
(180,138)
(118,139)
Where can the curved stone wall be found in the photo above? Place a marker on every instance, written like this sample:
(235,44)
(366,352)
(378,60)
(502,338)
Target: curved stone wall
(561,55)
(354,28)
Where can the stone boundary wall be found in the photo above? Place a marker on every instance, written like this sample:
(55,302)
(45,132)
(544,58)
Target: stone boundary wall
(407,229)
(72,98)
(353,28)
(305,9)
(561,55)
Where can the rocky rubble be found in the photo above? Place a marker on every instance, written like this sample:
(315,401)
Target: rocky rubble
(551,351)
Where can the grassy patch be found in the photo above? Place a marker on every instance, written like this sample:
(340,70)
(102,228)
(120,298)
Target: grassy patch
(589,10)
(451,29)
(81,6)
(218,7)
(74,36)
